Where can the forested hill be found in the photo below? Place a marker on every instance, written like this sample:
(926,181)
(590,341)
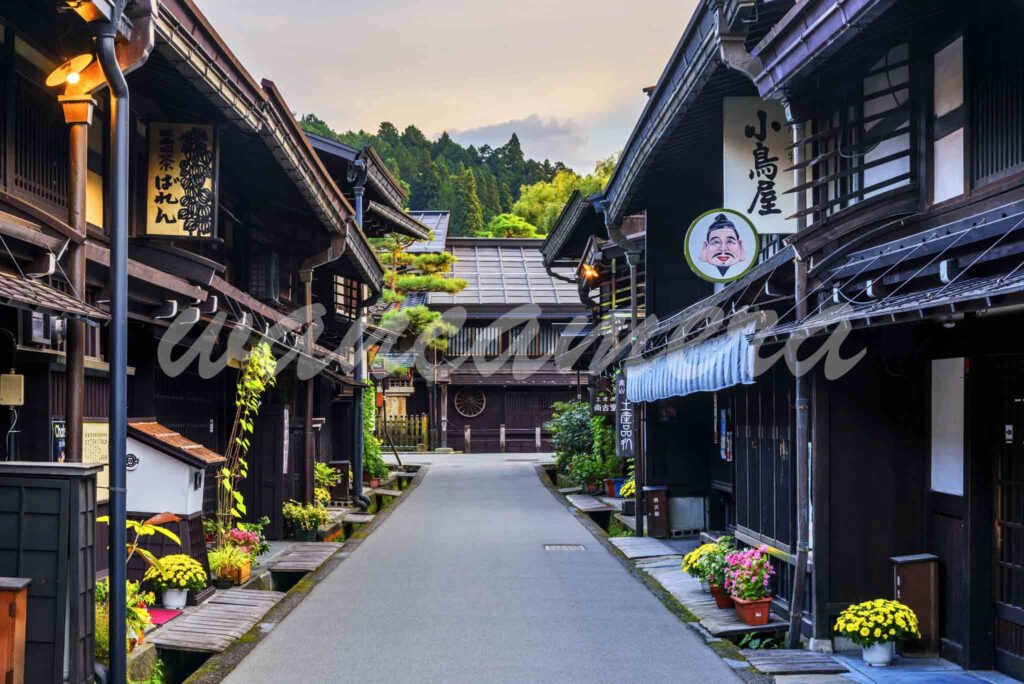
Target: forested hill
(475,184)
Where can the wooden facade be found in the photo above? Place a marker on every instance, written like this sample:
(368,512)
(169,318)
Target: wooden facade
(910,175)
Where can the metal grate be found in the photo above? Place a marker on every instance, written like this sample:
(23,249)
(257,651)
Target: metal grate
(564,547)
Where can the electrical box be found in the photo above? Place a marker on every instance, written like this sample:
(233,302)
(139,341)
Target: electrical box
(12,389)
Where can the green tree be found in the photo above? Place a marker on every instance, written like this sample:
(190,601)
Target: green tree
(542,202)
(467,214)
(510,226)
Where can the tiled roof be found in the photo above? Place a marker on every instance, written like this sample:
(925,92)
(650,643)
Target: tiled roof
(32,294)
(171,443)
(437,222)
(507,272)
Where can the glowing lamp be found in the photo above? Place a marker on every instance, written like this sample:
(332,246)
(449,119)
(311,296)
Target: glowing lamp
(69,72)
(589,272)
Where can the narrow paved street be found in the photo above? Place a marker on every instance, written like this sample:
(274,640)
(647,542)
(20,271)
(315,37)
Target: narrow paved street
(456,586)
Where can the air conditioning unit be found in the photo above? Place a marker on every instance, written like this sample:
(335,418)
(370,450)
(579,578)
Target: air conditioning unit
(685,515)
(37,328)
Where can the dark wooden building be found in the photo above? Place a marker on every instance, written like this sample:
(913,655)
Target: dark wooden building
(899,292)
(498,378)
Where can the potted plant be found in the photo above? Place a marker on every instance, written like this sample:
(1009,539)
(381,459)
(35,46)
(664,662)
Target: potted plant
(746,578)
(876,626)
(714,566)
(305,519)
(692,565)
(174,577)
(230,565)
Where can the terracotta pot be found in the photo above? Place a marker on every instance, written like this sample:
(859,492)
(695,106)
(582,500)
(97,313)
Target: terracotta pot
(722,598)
(593,488)
(374,482)
(755,612)
(609,486)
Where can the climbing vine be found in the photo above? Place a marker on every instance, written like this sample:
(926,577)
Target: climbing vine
(256,378)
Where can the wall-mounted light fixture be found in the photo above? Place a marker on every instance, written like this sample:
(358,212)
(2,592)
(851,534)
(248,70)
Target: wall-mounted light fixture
(588,272)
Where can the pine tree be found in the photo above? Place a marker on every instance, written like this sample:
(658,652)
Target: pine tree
(426,193)
(487,189)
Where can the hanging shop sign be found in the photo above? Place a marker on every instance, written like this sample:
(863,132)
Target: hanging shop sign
(757,150)
(721,245)
(625,426)
(181,197)
(602,397)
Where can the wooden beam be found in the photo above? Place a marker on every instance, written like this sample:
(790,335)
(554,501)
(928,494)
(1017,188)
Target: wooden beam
(148,274)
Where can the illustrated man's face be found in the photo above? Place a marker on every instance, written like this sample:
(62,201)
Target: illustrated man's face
(723,248)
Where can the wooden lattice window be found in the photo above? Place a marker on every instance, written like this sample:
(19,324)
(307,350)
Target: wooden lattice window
(346,297)
(996,103)
(40,143)
(862,145)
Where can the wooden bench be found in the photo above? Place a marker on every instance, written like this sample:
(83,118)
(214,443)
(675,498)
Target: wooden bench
(380,493)
(304,557)
(353,521)
(598,511)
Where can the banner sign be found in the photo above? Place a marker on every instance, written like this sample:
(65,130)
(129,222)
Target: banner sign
(625,427)
(95,448)
(181,197)
(721,245)
(756,151)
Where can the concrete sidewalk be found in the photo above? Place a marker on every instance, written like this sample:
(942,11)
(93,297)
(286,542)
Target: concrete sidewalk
(456,586)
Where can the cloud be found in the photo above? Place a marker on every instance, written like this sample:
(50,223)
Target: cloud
(551,138)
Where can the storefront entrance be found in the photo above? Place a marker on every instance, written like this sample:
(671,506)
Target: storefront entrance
(1008,539)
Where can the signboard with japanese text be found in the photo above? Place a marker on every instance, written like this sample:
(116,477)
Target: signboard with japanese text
(625,426)
(181,197)
(602,397)
(95,448)
(756,152)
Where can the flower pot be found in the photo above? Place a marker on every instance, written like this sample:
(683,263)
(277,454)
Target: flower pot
(755,612)
(705,587)
(722,598)
(305,535)
(618,482)
(223,582)
(878,655)
(593,488)
(237,575)
(174,599)
(374,482)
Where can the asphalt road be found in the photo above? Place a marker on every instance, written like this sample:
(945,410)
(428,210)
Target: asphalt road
(456,586)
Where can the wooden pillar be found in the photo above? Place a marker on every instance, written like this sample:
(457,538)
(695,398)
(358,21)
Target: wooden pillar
(444,418)
(78,112)
(307,425)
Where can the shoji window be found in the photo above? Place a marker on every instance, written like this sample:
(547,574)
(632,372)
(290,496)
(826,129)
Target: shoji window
(948,123)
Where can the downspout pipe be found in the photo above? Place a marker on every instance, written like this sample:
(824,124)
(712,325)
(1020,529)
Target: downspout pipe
(118,198)
(633,256)
(357,175)
(734,54)
(332,253)
(802,406)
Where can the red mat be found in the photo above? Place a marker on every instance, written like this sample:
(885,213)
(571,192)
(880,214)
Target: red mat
(159,616)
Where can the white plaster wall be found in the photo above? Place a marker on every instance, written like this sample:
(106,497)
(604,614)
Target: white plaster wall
(161,483)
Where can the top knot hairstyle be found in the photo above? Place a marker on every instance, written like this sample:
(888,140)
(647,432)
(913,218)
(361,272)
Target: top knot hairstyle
(722,221)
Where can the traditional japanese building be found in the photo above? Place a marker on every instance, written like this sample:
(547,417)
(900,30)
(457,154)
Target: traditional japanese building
(497,381)
(850,398)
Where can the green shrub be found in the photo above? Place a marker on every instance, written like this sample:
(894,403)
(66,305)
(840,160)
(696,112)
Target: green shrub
(571,432)
(304,517)
(373,464)
(587,468)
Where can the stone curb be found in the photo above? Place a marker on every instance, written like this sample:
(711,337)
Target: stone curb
(220,665)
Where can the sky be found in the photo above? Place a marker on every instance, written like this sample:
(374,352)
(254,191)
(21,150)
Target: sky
(566,75)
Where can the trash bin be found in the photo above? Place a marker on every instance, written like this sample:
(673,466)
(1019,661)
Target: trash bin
(656,499)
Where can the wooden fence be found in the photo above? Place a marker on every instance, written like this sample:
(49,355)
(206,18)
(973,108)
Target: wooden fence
(406,432)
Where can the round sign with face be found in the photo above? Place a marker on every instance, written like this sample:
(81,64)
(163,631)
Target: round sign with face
(721,245)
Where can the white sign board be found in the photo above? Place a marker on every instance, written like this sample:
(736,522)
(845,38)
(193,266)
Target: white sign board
(756,150)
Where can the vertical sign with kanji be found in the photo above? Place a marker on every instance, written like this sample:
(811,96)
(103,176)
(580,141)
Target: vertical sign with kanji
(181,198)
(625,426)
(757,150)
